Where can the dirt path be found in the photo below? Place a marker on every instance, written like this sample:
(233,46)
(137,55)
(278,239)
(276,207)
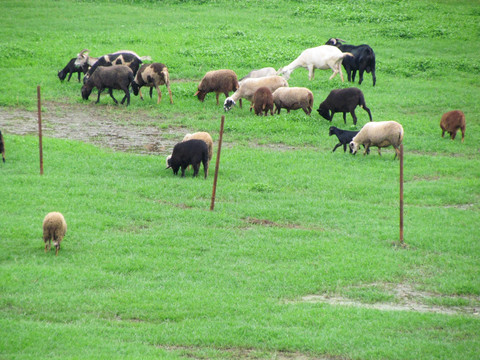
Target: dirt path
(94,125)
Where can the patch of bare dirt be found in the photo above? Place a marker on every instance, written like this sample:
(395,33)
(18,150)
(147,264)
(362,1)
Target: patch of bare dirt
(407,299)
(94,124)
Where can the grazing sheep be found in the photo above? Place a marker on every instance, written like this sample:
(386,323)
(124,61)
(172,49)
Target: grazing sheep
(70,69)
(218,81)
(321,57)
(263,101)
(266,71)
(83,58)
(343,100)
(205,136)
(344,137)
(54,228)
(153,75)
(112,77)
(2,146)
(249,86)
(190,152)
(452,121)
(293,98)
(379,134)
(363,59)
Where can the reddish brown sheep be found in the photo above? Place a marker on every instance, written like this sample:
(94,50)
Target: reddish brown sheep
(451,122)
(218,81)
(263,101)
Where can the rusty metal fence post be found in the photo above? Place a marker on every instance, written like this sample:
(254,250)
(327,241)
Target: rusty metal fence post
(40,129)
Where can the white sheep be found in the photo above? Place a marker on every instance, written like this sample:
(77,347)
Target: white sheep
(54,228)
(321,57)
(266,71)
(293,98)
(379,134)
(249,86)
(205,136)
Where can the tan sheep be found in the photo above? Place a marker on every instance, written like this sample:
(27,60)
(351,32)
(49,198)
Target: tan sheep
(205,136)
(452,121)
(293,98)
(379,134)
(54,227)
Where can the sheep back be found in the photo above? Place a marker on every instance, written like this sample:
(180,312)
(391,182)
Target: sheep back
(190,152)
(452,121)
(293,98)
(54,228)
(218,81)
(379,134)
(263,101)
(205,136)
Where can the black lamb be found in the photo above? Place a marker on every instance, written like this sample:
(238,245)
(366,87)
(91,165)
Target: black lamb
(72,68)
(190,152)
(344,137)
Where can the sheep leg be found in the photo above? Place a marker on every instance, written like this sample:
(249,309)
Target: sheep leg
(353,116)
(170,93)
(463,138)
(47,245)
(69,76)
(311,72)
(151,92)
(443,133)
(367,151)
(140,93)
(345,118)
(240,103)
(159,94)
(379,152)
(368,111)
(196,167)
(340,144)
(453,134)
(110,91)
(127,96)
(98,97)
(183,170)
(78,76)
(217,94)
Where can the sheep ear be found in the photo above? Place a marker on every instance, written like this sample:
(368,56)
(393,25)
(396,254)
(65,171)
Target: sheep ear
(196,93)
(168,167)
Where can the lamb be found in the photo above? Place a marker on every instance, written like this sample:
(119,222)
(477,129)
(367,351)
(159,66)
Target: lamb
(190,152)
(249,86)
(2,146)
(293,98)
(153,75)
(70,69)
(452,121)
(218,81)
(363,59)
(321,57)
(113,77)
(343,100)
(263,101)
(344,137)
(205,136)
(379,134)
(54,228)
(266,71)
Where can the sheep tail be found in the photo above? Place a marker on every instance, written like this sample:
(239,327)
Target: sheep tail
(145,58)
(166,76)
(310,100)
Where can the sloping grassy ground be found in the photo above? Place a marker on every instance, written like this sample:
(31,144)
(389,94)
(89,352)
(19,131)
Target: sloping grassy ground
(146,271)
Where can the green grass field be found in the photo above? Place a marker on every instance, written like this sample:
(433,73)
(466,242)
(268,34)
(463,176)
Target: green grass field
(300,258)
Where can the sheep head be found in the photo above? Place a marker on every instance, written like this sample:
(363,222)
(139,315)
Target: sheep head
(284,72)
(82,58)
(135,88)
(201,95)
(228,104)
(324,112)
(353,147)
(86,91)
(334,41)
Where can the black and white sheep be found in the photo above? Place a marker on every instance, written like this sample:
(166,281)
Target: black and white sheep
(2,146)
(190,152)
(452,121)
(344,137)
(128,58)
(84,59)
(153,75)
(111,77)
(70,69)
(379,134)
(343,100)
(363,59)
(263,101)
(293,98)
(54,228)
(249,86)
(218,81)
(321,57)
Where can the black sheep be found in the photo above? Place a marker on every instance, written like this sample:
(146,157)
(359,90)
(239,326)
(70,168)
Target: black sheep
(2,147)
(344,137)
(343,100)
(190,152)
(72,68)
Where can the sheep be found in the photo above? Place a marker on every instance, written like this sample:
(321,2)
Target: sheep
(321,57)
(293,98)
(379,134)
(205,136)
(54,228)
(127,58)
(363,59)
(190,152)
(263,101)
(343,100)
(153,75)
(83,59)
(111,77)
(249,86)
(344,137)
(266,71)
(71,68)
(2,146)
(218,81)
(452,121)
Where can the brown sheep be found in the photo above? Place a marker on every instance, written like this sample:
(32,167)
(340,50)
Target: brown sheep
(153,75)
(263,101)
(54,227)
(218,81)
(452,121)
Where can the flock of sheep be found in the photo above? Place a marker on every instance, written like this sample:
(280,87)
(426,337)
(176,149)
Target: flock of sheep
(268,91)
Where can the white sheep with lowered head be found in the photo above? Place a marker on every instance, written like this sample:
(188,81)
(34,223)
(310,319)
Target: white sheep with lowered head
(379,134)
(54,228)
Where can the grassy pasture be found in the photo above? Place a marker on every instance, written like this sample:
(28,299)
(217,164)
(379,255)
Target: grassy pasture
(146,271)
